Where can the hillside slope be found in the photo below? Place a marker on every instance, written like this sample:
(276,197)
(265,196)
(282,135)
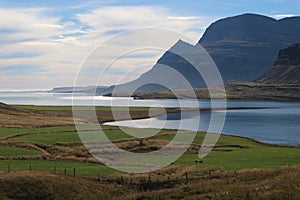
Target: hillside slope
(286,69)
(244,47)
(244,184)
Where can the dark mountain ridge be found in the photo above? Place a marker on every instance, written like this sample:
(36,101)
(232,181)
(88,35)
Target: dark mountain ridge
(281,83)
(286,69)
(244,47)
(169,72)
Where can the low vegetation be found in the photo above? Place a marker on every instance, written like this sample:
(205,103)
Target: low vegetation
(170,183)
(231,152)
(236,168)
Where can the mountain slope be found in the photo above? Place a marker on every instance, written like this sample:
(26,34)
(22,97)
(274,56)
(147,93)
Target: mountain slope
(282,82)
(286,69)
(243,47)
(168,72)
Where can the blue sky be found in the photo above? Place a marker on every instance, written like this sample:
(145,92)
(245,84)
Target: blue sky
(43,43)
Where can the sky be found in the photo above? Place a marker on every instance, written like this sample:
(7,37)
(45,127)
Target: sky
(44,43)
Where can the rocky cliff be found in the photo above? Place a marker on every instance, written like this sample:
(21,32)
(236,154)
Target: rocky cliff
(286,69)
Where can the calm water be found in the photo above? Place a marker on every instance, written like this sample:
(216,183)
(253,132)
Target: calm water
(279,124)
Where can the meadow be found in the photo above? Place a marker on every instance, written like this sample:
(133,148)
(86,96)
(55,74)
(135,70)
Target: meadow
(60,148)
(51,162)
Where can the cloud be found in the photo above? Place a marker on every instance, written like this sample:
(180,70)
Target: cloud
(105,21)
(26,23)
(18,55)
(31,47)
(54,47)
(116,18)
(280,16)
(20,70)
(182,17)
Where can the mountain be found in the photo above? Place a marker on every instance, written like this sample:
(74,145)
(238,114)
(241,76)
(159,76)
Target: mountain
(167,72)
(243,47)
(88,89)
(286,69)
(281,83)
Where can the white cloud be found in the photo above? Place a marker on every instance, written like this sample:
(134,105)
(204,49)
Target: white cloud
(120,18)
(182,17)
(59,46)
(280,16)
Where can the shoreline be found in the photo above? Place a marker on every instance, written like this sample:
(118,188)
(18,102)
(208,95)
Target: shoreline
(178,110)
(225,134)
(144,115)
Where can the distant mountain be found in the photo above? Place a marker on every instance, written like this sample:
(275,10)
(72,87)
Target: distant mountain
(65,89)
(286,69)
(88,89)
(243,47)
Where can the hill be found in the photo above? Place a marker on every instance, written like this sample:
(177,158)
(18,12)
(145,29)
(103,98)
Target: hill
(244,184)
(286,69)
(48,186)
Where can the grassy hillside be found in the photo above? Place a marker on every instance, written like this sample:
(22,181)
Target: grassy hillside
(26,118)
(171,183)
(63,146)
(104,113)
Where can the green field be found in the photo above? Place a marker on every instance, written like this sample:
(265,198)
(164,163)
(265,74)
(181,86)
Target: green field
(249,158)
(81,168)
(11,151)
(8,132)
(50,138)
(231,152)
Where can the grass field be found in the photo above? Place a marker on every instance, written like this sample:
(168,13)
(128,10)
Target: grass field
(230,153)
(81,168)
(50,138)
(247,184)
(237,168)
(61,146)
(8,132)
(10,151)
(65,113)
